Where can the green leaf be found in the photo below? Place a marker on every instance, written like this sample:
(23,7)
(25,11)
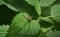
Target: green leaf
(47,19)
(53,34)
(11,7)
(1,2)
(45,3)
(3,30)
(36,4)
(21,5)
(30,30)
(50,33)
(55,12)
(46,29)
(46,24)
(20,27)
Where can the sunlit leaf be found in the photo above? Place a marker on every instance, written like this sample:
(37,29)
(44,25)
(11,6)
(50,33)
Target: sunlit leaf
(55,12)
(20,27)
(45,3)
(36,4)
(4,30)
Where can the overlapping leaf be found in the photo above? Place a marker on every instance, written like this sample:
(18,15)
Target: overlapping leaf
(4,30)
(55,12)
(47,19)
(46,24)
(45,3)
(53,34)
(36,4)
(20,27)
(21,5)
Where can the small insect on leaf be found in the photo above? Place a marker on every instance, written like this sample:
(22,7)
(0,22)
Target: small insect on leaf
(28,18)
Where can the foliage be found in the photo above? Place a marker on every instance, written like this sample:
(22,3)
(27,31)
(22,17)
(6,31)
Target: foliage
(3,30)
(30,18)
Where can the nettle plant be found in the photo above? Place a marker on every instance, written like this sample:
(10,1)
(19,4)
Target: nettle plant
(31,18)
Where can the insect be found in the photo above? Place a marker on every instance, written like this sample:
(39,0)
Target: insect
(28,18)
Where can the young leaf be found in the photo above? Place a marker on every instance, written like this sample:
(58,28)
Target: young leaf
(47,19)
(36,4)
(3,30)
(11,7)
(55,12)
(45,3)
(20,27)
